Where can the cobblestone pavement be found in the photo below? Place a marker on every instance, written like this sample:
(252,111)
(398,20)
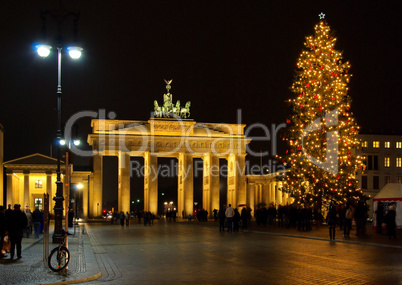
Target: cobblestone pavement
(186,253)
(196,252)
(32,270)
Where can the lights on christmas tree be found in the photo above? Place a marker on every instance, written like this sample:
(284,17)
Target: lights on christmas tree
(322,128)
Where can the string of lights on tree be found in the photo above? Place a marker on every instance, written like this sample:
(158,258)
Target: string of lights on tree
(321,132)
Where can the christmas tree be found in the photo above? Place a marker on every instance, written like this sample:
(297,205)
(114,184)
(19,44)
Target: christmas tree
(321,131)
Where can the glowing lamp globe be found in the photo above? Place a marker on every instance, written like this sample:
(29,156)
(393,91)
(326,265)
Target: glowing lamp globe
(74,52)
(43,50)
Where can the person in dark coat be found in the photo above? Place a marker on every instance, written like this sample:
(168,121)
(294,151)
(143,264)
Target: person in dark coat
(222,217)
(391,223)
(236,220)
(2,229)
(16,225)
(36,219)
(379,217)
(244,218)
(331,221)
(8,212)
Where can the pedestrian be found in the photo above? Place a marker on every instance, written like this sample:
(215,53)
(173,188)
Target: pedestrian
(236,220)
(145,218)
(16,225)
(122,217)
(391,223)
(379,217)
(174,215)
(341,214)
(280,216)
(36,220)
(331,221)
(127,219)
(215,211)
(222,217)
(152,218)
(360,218)
(244,218)
(2,230)
(348,220)
(30,223)
(8,212)
(300,217)
(229,213)
(271,212)
(307,217)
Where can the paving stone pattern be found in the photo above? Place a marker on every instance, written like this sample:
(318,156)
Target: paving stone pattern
(32,270)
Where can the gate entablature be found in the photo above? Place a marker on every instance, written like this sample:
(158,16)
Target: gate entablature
(167,135)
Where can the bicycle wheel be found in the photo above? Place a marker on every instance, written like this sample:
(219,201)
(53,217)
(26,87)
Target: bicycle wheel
(59,258)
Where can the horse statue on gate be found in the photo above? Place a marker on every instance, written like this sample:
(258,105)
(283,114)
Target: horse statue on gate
(157,110)
(185,112)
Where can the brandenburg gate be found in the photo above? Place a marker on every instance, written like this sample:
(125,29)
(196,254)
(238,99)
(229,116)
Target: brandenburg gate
(170,133)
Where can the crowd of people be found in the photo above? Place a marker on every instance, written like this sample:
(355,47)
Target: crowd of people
(124,218)
(302,217)
(14,223)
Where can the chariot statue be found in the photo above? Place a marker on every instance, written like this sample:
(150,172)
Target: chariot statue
(168,109)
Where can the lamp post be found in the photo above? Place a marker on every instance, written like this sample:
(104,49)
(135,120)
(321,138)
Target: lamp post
(74,52)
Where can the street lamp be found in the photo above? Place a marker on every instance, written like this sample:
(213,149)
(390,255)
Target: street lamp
(75,52)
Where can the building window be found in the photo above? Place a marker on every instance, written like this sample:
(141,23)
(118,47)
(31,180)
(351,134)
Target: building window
(364,144)
(387,144)
(386,161)
(372,162)
(376,144)
(398,144)
(399,179)
(364,182)
(398,162)
(387,179)
(38,183)
(376,182)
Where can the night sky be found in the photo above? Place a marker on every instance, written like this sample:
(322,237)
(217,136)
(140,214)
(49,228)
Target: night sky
(222,56)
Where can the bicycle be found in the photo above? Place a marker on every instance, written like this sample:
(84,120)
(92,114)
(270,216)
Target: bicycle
(59,256)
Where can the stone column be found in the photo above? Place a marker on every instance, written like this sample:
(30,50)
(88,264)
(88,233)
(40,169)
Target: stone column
(210,193)
(272,192)
(185,197)
(232,180)
(95,195)
(279,193)
(49,190)
(260,198)
(26,204)
(9,188)
(265,193)
(206,182)
(241,195)
(151,182)
(215,187)
(124,182)
(251,197)
(85,195)
(275,195)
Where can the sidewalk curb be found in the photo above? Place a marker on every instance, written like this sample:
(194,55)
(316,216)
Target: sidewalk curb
(76,281)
